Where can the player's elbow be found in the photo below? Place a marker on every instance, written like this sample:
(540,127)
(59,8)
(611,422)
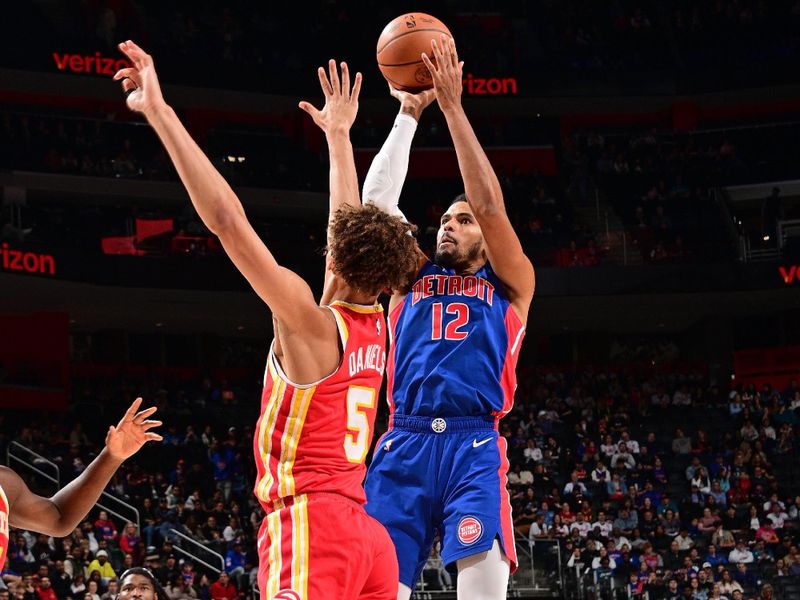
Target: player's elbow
(59,529)
(224,214)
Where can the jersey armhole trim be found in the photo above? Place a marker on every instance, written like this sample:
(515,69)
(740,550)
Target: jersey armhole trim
(5,499)
(341,325)
(274,365)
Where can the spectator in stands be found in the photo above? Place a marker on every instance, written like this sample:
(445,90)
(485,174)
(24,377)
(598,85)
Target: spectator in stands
(177,589)
(740,554)
(681,444)
(682,397)
(777,516)
(112,591)
(78,586)
(573,486)
(223,588)
(701,481)
(235,561)
(92,590)
(539,529)
(45,591)
(600,474)
(743,576)
(623,459)
(727,584)
(581,525)
(102,565)
(104,529)
(713,559)
(766,533)
(616,488)
(685,543)
(532,452)
(130,541)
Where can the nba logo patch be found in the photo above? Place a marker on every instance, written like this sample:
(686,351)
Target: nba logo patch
(470,530)
(286,595)
(378,325)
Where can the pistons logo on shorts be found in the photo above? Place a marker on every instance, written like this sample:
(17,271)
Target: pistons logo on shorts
(470,530)
(286,595)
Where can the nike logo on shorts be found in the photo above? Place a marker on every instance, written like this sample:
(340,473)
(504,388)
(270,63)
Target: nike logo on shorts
(476,443)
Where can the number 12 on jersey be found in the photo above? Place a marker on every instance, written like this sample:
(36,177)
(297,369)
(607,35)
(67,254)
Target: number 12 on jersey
(452,331)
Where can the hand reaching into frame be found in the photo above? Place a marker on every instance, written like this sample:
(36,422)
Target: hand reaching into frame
(341,101)
(447,73)
(140,82)
(132,432)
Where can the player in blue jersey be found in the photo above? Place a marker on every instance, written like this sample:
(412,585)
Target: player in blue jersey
(441,467)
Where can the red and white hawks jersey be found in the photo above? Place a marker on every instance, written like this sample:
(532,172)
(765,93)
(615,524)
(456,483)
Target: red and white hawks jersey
(314,438)
(4,512)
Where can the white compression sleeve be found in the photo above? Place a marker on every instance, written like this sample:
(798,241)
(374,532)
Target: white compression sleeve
(387,173)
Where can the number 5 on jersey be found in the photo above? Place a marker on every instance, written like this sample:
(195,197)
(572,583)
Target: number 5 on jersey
(452,330)
(358,436)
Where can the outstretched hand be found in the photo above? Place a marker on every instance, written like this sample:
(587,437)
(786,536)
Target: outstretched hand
(413,104)
(341,101)
(447,73)
(132,432)
(140,82)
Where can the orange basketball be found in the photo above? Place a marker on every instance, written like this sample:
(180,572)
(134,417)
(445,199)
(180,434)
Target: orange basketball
(400,49)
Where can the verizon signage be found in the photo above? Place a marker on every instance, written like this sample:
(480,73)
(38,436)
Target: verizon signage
(26,262)
(95,64)
(790,274)
(492,86)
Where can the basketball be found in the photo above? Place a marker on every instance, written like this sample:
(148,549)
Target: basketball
(400,49)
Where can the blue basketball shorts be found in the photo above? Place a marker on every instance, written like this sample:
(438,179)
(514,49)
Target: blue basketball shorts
(446,476)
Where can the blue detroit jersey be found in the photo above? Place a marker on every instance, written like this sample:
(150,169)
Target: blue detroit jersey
(455,342)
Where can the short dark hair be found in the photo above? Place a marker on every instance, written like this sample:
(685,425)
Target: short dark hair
(160,593)
(372,250)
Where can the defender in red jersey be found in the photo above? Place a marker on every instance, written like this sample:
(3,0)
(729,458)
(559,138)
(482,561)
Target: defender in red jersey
(325,364)
(59,515)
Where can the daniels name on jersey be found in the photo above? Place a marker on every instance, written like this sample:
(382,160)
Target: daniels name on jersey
(372,357)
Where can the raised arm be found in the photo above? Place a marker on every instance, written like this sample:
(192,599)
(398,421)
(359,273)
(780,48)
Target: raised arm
(335,119)
(59,515)
(480,182)
(387,172)
(288,296)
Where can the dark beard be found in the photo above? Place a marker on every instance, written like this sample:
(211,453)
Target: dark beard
(451,260)
(446,260)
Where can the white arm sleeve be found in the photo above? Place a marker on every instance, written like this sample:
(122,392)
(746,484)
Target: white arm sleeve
(387,173)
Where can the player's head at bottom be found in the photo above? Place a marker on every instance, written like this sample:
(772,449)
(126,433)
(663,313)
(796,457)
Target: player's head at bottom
(138,583)
(370,250)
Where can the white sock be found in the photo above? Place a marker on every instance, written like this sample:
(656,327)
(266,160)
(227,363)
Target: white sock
(484,576)
(388,170)
(403,592)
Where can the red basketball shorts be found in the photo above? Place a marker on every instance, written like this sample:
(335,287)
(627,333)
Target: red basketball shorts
(324,546)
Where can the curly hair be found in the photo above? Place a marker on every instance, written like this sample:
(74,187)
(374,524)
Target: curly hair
(372,250)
